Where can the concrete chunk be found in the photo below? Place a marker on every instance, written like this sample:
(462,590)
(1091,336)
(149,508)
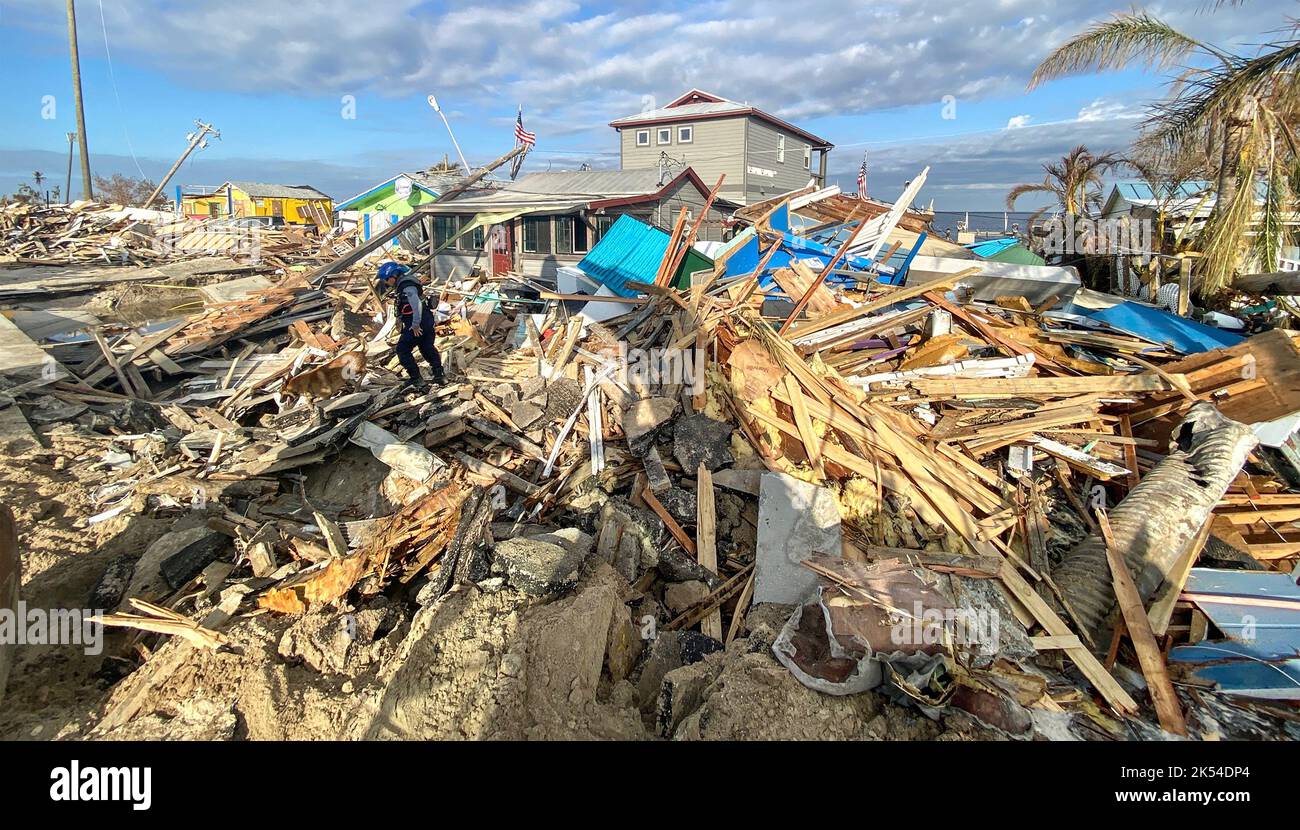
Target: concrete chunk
(795,521)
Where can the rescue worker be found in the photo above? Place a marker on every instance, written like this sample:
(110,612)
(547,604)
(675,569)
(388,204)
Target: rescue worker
(415,321)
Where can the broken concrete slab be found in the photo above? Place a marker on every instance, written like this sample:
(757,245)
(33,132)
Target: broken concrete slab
(655,472)
(698,439)
(675,565)
(525,414)
(682,595)
(346,405)
(536,567)
(795,521)
(642,421)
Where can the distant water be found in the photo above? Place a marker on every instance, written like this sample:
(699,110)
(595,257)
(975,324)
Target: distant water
(984,220)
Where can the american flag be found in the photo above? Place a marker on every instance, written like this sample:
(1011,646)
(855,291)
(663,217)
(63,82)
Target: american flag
(862,178)
(522,136)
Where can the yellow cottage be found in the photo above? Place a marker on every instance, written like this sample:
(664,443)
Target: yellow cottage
(293,204)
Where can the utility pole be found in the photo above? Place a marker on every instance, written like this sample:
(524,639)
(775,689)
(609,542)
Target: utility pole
(196,140)
(67,185)
(86,188)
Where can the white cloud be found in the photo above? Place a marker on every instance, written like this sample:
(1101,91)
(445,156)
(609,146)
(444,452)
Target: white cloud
(571,66)
(1015,122)
(1103,110)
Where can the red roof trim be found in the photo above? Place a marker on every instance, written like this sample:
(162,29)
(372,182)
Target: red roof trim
(815,141)
(695,93)
(688,174)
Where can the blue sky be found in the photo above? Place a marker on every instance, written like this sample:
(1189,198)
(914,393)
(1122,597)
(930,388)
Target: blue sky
(273,78)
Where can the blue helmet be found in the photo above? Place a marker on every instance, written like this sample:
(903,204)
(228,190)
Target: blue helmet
(391,269)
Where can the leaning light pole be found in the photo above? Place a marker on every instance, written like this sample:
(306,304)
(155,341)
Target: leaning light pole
(86,188)
(433,102)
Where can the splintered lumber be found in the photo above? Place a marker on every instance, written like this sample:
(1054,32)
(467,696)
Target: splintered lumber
(1091,667)
(821,277)
(491,471)
(706,521)
(1078,458)
(1042,387)
(165,621)
(811,443)
(894,296)
(510,439)
(1144,641)
(113,363)
(979,567)
(669,522)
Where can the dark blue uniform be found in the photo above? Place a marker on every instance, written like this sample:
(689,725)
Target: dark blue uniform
(408,307)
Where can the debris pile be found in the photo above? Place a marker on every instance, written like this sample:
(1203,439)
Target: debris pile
(809,463)
(90,232)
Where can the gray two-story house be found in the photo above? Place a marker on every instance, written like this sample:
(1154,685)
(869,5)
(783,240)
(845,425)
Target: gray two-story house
(761,155)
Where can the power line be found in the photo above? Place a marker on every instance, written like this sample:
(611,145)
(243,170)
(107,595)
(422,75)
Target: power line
(113,78)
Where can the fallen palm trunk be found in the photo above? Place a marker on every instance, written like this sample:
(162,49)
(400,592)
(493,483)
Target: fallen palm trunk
(1159,518)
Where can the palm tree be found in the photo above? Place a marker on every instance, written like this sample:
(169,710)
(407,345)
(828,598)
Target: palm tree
(38,177)
(1075,181)
(1241,105)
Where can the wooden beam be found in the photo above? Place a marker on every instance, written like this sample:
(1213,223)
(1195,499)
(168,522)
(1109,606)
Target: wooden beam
(1140,634)
(706,526)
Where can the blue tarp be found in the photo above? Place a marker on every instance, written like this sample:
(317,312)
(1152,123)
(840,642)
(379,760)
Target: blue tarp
(1159,326)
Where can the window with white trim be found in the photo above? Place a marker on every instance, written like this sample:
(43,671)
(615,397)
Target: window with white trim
(665,135)
(571,235)
(780,149)
(685,135)
(643,138)
(807,157)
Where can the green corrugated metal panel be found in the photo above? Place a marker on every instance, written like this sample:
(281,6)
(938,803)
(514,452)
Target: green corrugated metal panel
(1018,255)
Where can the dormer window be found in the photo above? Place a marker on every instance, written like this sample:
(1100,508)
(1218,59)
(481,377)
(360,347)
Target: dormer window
(665,135)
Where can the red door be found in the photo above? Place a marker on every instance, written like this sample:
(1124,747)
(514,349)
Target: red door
(502,249)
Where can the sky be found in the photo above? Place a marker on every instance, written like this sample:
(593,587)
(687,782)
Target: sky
(334,94)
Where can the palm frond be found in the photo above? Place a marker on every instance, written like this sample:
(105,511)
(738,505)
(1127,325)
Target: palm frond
(1115,44)
(1021,189)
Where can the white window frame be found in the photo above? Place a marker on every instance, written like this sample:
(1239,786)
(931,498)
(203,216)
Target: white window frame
(689,129)
(807,157)
(780,149)
(664,135)
(639,135)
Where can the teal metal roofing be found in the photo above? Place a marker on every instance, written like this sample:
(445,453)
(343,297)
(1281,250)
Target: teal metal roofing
(1136,190)
(631,251)
(990,247)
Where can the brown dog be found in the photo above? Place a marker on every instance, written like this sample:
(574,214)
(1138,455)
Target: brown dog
(327,380)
